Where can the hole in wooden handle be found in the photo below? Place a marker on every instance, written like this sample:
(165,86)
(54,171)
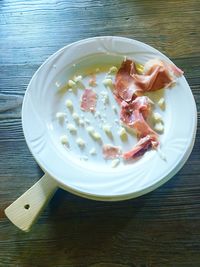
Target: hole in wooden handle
(27,206)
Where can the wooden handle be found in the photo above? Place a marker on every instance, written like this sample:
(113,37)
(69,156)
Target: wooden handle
(24,211)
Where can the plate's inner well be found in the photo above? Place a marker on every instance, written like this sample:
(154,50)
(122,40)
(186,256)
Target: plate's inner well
(69,125)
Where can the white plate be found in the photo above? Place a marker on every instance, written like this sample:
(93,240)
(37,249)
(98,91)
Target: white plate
(95,178)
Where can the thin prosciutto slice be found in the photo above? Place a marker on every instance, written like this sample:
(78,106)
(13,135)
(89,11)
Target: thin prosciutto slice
(155,79)
(141,127)
(134,115)
(141,103)
(88,100)
(111,152)
(175,70)
(157,75)
(124,83)
(135,109)
(141,147)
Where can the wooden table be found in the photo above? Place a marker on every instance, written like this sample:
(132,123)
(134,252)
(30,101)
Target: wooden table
(161,228)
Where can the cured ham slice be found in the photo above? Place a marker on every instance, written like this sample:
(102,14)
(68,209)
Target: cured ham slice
(124,82)
(141,147)
(111,152)
(157,75)
(134,114)
(136,121)
(176,71)
(88,100)
(173,70)
(156,78)
(141,103)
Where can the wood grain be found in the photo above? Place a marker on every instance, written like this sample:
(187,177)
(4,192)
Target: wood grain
(160,229)
(25,210)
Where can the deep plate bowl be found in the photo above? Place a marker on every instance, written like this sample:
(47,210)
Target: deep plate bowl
(95,178)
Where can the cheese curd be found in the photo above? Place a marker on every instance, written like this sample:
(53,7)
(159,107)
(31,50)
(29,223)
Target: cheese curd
(90,129)
(71,83)
(113,70)
(104,97)
(107,129)
(60,116)
(156,117)
(114,163)
(161,103)
(80,142)
(114,108)
(69,104)
(71,127)
(92,151)
(64,139)
(78,78)
(159,127)
(81,122)
(75,116)
(96,136)
(108,82)
(122,133)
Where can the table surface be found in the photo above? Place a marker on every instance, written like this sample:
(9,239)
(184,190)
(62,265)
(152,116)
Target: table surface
(161,228)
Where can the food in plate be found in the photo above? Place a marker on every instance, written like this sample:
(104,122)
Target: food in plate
(135,107)
(111,152)
(131,85)
(144,144)
(88,101)
(156,75)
